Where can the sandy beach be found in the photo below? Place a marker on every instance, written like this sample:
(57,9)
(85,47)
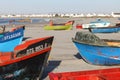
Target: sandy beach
(64,56)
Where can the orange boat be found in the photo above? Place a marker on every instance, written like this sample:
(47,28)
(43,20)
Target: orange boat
(102,74)
(27,61)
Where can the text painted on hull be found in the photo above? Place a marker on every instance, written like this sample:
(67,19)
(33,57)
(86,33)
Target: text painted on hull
(37,48)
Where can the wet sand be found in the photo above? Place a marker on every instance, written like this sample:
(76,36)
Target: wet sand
(64,56)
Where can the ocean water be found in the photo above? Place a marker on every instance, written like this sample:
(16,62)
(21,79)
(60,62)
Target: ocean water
(7,21)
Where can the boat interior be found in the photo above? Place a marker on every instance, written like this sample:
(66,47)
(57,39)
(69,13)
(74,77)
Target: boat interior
(112,42)
(89,38)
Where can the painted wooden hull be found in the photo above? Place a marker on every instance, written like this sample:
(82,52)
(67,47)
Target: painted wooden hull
(58,27)
(24,20)
(101,74)
(92,25)
(98,54)
(28,60)
(105,30)
(9,40)
(98,23)
(78,26)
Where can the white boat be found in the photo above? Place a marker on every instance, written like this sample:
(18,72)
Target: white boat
(98,23)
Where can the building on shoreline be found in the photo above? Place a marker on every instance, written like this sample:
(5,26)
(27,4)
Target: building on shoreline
(59,15)
(115,14)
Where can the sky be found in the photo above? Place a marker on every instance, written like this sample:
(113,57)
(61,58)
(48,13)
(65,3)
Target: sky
(58,6)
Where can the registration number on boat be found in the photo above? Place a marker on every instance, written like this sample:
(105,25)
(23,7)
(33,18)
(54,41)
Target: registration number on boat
(37,48)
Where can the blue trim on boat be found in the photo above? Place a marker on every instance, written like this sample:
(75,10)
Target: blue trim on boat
(11,39)
(105,30)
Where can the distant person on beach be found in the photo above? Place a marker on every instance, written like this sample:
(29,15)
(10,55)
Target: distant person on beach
(51,22)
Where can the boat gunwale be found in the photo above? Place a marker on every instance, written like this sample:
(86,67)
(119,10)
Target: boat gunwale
(18,59)
(97,72)
(93,44)
(104,27)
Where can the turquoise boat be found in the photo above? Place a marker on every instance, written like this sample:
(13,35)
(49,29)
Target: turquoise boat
(96,24)
(9,40)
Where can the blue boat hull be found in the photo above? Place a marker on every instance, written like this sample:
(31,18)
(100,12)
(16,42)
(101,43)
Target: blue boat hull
(99,55)
(105,30)
(97,51)
(11,39)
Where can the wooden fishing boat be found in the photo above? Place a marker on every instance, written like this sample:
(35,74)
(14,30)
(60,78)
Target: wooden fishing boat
(78,26)
(97,23)
(101,74)
(97,51)
(10,39)
(58,27)
(23,20)
(63,26)
(113,29)
(3,22)
(27,61)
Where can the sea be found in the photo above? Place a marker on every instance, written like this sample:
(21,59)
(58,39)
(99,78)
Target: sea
(17,21)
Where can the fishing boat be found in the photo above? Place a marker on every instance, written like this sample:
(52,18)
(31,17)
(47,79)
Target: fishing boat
(62,26)
(78,26)
(99,74)
(97,51)
(113,29)
(97,23)
(27,61)
(3,22)
(23,20)
(12,38)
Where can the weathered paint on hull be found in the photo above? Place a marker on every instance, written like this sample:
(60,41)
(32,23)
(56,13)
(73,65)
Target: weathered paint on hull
(99,55)
(27,69)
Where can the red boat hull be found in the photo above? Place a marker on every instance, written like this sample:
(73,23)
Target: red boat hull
(78,26)
(103,74)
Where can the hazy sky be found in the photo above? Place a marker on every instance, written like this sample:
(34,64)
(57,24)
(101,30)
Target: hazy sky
(61,6)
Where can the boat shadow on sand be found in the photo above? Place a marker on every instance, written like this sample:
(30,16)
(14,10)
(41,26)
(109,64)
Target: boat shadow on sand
(25,38)
(78,56)
(52,64)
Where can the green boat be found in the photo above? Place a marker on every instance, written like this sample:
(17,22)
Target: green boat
(63,26)
(58,27)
